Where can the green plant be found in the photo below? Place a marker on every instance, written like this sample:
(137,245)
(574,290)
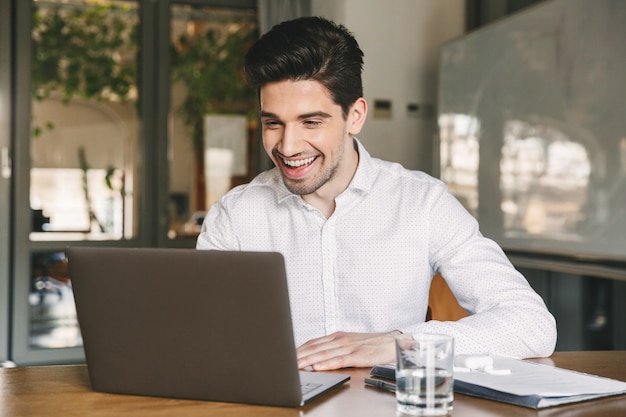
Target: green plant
(210,64)
(84,166)
(76,52)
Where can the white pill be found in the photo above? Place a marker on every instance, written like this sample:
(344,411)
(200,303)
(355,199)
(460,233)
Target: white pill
(473,361)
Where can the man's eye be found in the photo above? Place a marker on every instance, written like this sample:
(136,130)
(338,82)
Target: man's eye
(271,124)
(312,123)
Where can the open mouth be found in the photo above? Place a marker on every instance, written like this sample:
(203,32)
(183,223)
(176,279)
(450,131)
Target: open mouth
(298,163)
(298,168)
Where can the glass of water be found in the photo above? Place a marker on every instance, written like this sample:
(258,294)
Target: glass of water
(424,366)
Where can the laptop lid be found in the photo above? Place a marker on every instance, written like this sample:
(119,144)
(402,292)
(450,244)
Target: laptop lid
(186,323)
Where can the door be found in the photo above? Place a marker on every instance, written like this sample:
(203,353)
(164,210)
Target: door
(79,170)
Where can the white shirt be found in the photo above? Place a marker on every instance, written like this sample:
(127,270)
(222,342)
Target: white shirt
(368,267)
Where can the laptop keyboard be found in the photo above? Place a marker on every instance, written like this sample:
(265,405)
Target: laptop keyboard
(308,387)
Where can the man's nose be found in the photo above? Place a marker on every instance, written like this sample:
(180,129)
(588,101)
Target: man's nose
(290,141)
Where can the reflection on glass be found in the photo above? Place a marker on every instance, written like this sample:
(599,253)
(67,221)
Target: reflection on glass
(551,175)
(212,113)
(53,322)
(56,190)
(544,177)
(84,120)
(459,157)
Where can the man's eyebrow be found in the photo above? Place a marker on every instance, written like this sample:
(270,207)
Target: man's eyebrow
(300,117)
(268,114)
(320,113)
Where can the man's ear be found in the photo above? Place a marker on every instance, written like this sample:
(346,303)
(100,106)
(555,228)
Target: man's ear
(357,116)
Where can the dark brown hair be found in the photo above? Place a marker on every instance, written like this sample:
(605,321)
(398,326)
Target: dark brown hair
(309,48)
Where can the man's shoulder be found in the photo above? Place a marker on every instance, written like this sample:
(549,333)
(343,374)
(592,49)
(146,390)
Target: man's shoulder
(394,171)
(265,185)
(384,175)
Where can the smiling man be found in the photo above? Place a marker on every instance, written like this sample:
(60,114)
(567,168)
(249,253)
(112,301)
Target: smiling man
(308,137)
(362,238)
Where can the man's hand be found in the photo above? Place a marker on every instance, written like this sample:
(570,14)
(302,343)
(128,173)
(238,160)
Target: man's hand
(343,350)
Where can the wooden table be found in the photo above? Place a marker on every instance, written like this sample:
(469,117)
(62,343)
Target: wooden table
(65,391)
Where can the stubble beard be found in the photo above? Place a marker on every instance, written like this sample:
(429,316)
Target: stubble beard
(308,186)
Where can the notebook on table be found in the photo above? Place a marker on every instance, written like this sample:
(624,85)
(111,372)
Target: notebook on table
(193,324)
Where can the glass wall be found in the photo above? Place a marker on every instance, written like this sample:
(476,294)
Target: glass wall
(53,322)
(212,135)
(85,149)
(85,126)
(123,113)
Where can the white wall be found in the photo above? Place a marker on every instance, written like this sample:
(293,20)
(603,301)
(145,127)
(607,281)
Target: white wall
(401,41)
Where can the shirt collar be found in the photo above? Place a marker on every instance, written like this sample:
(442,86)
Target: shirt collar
(364,175)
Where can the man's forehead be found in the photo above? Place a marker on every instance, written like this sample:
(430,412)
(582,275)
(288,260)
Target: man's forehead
(301,97)
(284,87)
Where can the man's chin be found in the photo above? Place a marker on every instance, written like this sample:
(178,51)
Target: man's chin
(298,188)
(301,187)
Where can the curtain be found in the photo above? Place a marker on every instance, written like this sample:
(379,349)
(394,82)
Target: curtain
(272,12)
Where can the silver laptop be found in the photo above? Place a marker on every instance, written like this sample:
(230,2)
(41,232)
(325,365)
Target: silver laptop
(186,323)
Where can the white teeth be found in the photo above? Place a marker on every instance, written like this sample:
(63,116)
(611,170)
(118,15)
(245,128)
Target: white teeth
(298,163)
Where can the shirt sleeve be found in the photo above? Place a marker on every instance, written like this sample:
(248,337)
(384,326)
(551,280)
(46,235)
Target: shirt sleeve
(217,232)
(507,317)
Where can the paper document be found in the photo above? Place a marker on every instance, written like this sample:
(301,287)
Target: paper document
(535,385)
(527,384)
